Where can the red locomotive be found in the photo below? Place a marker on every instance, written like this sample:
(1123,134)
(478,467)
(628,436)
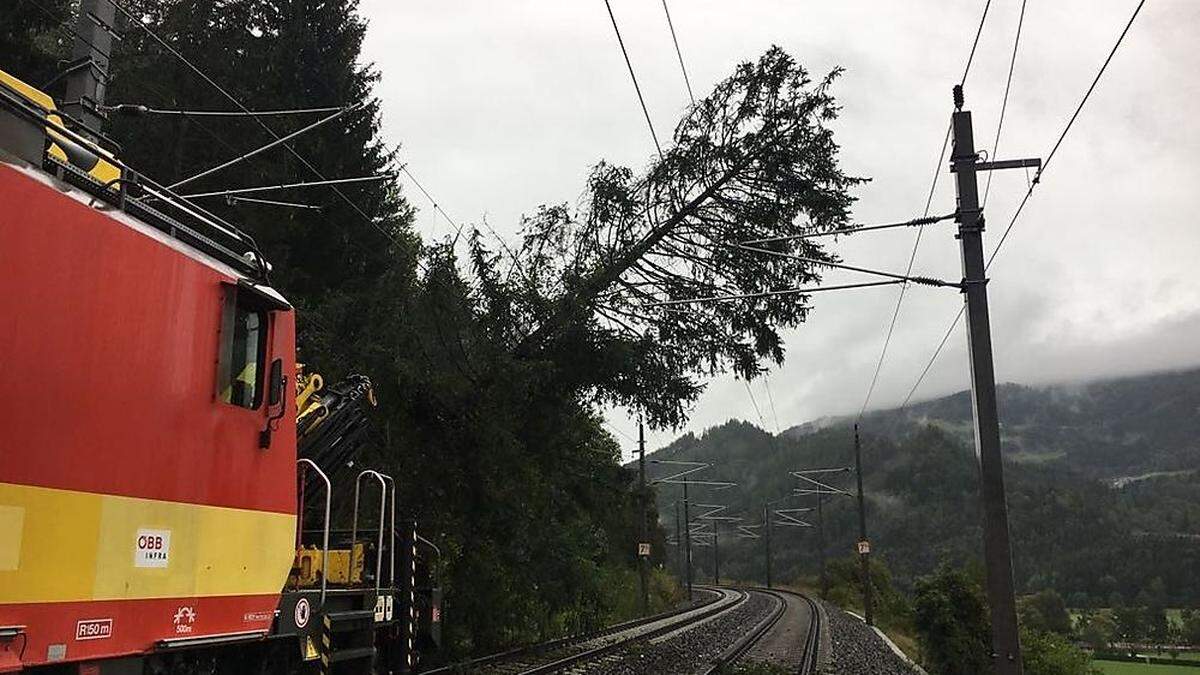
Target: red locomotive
(149,510)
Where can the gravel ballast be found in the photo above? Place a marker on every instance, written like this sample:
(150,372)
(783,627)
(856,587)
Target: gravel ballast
(856,648)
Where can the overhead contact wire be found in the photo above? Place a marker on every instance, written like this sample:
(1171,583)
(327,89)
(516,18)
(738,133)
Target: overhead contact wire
(633,76)
(686,80)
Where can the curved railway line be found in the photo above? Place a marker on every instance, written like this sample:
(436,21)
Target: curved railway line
(731,625)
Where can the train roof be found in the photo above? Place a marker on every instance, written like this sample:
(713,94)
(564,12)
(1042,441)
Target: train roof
(33,129)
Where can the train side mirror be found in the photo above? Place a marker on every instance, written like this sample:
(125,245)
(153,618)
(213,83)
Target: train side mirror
(276,382)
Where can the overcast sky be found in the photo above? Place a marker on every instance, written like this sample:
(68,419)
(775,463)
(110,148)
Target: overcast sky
(501,106)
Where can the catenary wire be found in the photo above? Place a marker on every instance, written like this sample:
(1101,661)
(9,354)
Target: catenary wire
(286,186)
(275,202)
(927,281)
(771,294)
(436,206)
(771,400)
(753,402)
(1012,62)
(855,229)
(137,109)
(978,33)
(686,80)
(633,77)
(1028,193)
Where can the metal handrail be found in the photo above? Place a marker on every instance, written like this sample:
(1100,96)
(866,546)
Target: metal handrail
(391,540)
(325,537)
(38,115)
(437,566)
(382,503)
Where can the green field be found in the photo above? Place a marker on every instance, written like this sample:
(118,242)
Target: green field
(1122,668)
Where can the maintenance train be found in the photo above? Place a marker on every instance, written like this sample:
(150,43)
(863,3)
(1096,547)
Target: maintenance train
(168,474)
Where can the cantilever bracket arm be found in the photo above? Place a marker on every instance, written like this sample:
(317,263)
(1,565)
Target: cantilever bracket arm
(1034,163)
(820,485)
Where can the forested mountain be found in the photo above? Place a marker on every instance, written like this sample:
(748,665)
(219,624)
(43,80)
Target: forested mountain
(1107,429)
(1091,514)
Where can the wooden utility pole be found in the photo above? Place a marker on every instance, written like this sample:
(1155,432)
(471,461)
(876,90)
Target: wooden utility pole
(767,520)
(643,542)
(864,546)
(687,537)
(716,554)
(964,162)
(821,542)
(678,542)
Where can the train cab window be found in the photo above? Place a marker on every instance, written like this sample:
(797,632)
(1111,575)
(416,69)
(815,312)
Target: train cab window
(243,356)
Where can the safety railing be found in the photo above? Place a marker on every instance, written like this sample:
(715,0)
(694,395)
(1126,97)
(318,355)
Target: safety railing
(131,192)
(383,501)
(309,464)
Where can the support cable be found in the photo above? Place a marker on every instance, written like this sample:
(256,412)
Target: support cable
(436,206)
(978,33)
(855,229)
(771,400)
(284,186)
(273,202)
(926,281)
(263,148)
(633,77)
(1028,193)
(140,110)
(1012,62)
(768,294)
(686,80)
(754,403)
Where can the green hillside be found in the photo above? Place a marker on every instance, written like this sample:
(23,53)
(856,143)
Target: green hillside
(1106,429)
(1075,526)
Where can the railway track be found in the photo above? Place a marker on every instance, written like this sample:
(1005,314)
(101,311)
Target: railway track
(702,639)
(798,655)
(517,660)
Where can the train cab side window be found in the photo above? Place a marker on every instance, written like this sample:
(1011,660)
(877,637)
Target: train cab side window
(243,344)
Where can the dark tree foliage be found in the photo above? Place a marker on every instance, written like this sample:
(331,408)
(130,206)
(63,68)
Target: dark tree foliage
(950,614)
(1044,611)
(274,54)
(33,40)
(756,158)
(1191,627)
(1050,653)
(845,590)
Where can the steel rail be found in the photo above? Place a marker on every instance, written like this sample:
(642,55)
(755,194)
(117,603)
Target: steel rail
(559,643)
(813,649)
(812,646)
(745,643)
(603,650)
